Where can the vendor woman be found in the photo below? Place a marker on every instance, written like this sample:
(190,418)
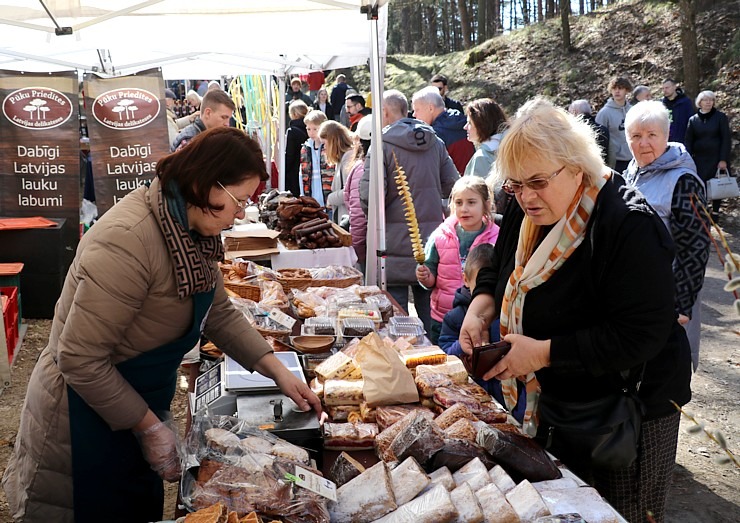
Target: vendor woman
(92,445)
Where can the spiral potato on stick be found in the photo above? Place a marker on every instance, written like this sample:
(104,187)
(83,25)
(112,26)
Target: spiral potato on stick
(408,203)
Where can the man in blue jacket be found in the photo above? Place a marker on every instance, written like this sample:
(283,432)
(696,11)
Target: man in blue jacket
(680,108)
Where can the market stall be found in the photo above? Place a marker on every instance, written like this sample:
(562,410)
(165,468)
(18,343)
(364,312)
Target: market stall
(409,435)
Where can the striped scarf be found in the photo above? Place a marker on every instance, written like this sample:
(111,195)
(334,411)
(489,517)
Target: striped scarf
(533,266)
(192,254)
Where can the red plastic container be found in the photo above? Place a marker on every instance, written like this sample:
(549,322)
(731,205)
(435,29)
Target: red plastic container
(10,318)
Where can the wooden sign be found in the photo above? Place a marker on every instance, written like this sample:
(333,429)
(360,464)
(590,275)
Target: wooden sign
(40,147)
(127,124)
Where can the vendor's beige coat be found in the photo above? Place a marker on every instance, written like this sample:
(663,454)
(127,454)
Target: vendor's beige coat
(119,300)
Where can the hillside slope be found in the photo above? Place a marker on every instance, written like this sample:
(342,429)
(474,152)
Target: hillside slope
(639,39)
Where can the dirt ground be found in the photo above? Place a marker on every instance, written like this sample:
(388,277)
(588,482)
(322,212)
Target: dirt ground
(702,490)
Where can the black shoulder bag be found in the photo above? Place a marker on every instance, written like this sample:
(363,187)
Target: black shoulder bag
(602,433)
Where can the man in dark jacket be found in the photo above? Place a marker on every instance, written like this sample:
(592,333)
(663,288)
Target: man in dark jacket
(215,111)
(430,174)
(356,110)
(338,94)
(440,82)
(449,124)
(680,107)
(583,109)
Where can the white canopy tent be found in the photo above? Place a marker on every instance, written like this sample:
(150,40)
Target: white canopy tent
(203,39)
(189,39)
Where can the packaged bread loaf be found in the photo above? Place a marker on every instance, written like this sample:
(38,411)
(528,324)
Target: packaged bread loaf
(341,413)
(429,382)
(349,436)
(384,440)
(472,468)
(423,356)
(337,366)
(519,455)
(343,392)
(462,429)
(420,439)
(466,505)
(458,452)
(408,479)
(435,506)
(453,368)
(442,476)
(344,469)
(494,505)
(387,415)
(585,501)
(453,414)
(365,498)
(501,479)
(527,502)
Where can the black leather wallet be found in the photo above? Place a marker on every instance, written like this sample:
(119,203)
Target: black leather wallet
(485,357)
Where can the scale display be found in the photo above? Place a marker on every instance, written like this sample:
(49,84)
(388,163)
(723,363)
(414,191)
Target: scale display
(207,388)
(239,379)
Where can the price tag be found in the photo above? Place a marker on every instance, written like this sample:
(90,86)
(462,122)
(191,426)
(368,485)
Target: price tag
(315,483)
(282,318)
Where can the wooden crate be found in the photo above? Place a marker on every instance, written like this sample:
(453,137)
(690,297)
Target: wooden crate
(343,235)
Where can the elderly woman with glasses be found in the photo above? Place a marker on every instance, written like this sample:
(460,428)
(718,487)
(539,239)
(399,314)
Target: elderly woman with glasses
(665,173)
(582,284)
(142,288)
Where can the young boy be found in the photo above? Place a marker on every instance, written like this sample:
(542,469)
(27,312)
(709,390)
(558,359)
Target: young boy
(449,342)
(316,175)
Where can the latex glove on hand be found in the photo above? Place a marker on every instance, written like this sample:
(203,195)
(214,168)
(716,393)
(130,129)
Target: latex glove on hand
(159,446)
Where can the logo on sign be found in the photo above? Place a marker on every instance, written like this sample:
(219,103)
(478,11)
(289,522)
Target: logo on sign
(37,108)
(127,108)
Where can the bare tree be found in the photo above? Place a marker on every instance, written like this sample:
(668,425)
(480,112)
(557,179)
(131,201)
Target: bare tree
(689,46)
(565,21)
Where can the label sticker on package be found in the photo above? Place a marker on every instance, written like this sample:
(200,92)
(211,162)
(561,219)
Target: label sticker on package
(282,318)
(315,483)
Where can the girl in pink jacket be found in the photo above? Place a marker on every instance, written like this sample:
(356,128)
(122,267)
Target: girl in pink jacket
(470,224)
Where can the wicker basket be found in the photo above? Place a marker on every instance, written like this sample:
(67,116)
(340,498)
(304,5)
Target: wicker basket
(244,290)
(304,283)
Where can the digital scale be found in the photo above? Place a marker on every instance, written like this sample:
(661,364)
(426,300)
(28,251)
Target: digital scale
(228,389)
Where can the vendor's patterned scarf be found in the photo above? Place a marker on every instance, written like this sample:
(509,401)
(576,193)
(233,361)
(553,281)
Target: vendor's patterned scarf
(533,267)
(192,254)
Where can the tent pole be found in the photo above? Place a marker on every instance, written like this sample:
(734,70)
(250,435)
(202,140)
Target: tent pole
(281,132)
(375,266)
(269,139)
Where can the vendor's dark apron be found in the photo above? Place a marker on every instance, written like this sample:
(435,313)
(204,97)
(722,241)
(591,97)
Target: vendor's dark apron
(111,479)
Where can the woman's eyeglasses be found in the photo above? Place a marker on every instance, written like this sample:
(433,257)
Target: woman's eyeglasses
(240,204)
(535,184)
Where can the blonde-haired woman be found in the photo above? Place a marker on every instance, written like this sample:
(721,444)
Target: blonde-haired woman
(582,283)
(342,152)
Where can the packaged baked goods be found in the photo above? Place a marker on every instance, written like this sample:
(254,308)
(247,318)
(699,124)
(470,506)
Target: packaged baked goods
(307,304)
(334,272)
(494,505)
(344,469)
(408,479)
(423,356)
(453,414)
(309,362)
(527,502)
(420,439)
(364,291)
(435,506)
(405,320)
(319,326)
(466,504)
(442,476)
(429,382)
(341,413)
(462,429)
(387,415)
(367,497)
(458,452)
(519,455)
(357,327)
(383,304)
(502,480)
(368,413)
(343,392)
(273,296)
(349,436)
(472,468)
(385,438)
(337,366)
(585,501)
(453,368)
(414,334)
(360,310)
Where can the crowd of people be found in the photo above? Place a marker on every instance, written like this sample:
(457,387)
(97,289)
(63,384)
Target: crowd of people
(573,237)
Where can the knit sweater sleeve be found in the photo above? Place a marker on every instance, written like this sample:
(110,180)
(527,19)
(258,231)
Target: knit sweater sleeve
(691,241)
